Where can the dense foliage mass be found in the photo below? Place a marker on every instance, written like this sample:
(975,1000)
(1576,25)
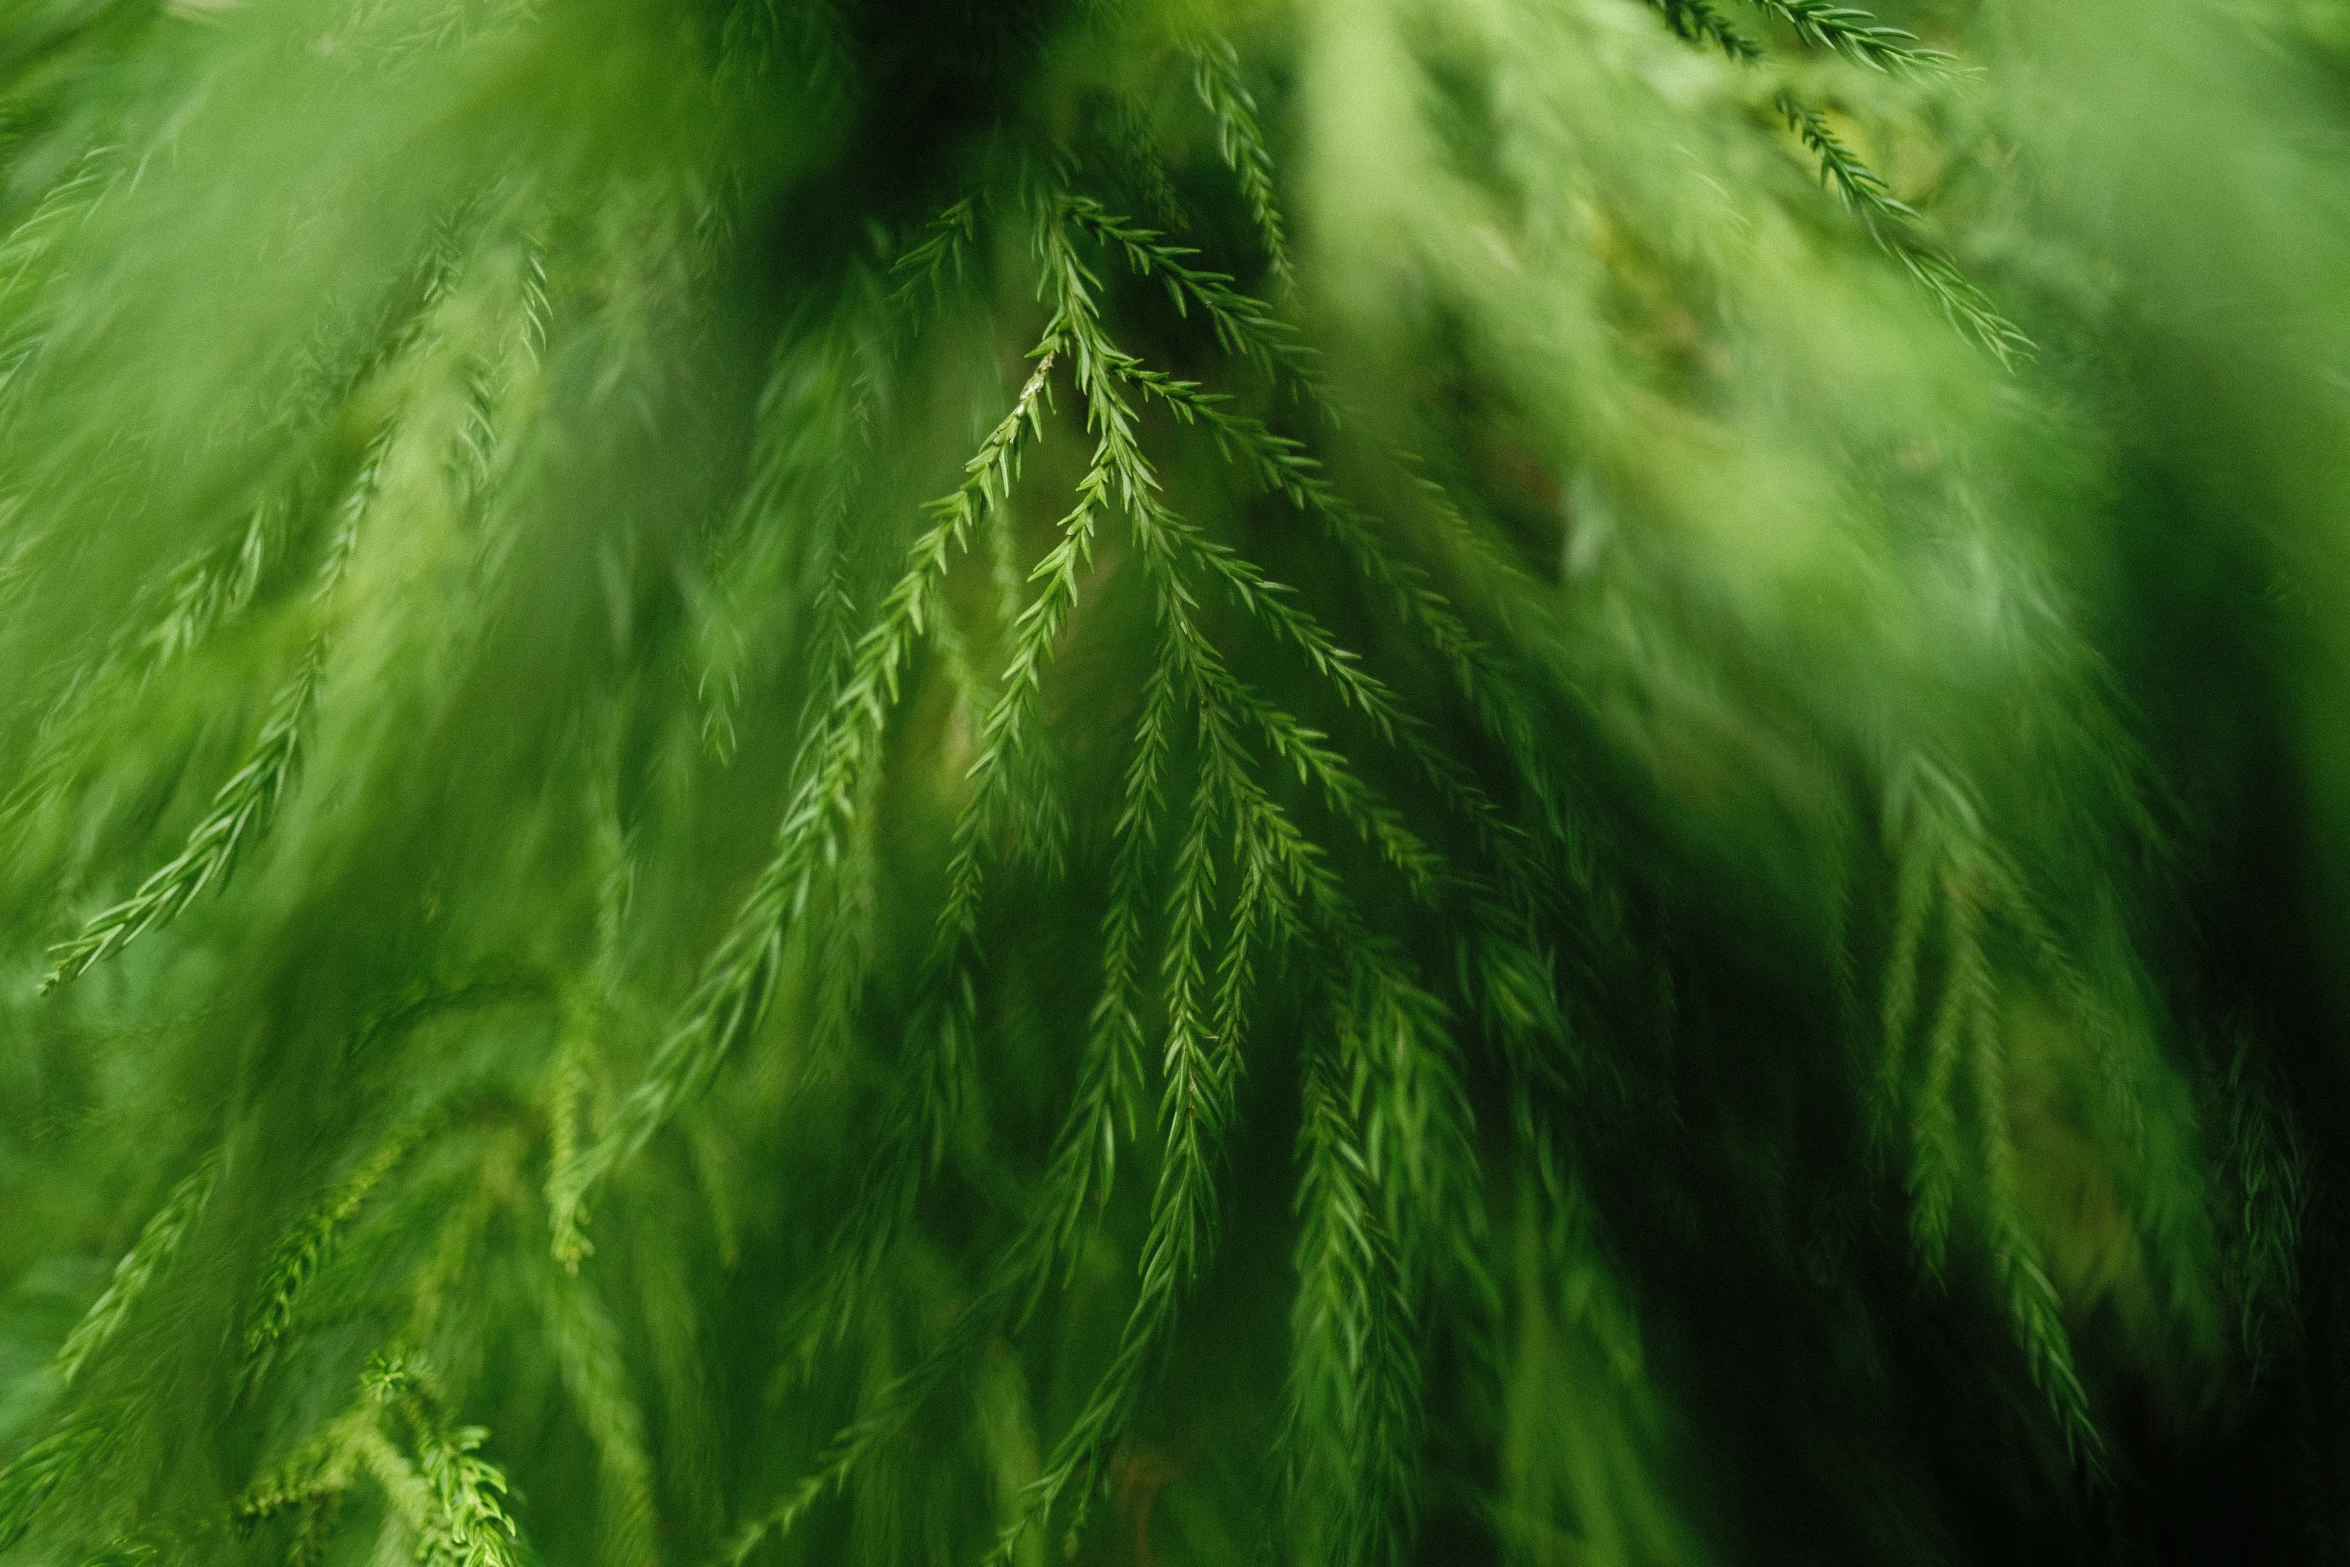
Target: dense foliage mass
(1328,781)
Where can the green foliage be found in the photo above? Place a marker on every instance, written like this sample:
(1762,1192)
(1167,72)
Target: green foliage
(1363,782)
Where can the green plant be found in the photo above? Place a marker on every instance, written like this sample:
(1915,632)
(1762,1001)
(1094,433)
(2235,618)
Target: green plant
(1374,780)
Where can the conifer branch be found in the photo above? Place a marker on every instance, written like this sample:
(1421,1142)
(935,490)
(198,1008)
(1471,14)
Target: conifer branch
(1889,220)
(587,1348)
(1853,33)
(927,1091)
(240,812)
(1351,1405)
(1966,1014)
(245,804)
(914,1131)
(1243,327)
(731,998)
(810,452)
(1085,1157)
(1197,1066)
(1858,36)
(55,1464)
(1947,866)
(464,1522)
(1699,21)
(1194,1108)
(590,1004)
(211,591)
(1423,1126)
(920,273)
(305,1248)
(1240,140)
(1285,469)
(2264,1209)
(28,302)
(1173,546)
(158,1242)
(320,1469)
(2033,1304)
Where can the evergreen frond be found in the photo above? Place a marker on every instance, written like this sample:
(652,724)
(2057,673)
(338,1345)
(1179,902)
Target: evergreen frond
(137,1271)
